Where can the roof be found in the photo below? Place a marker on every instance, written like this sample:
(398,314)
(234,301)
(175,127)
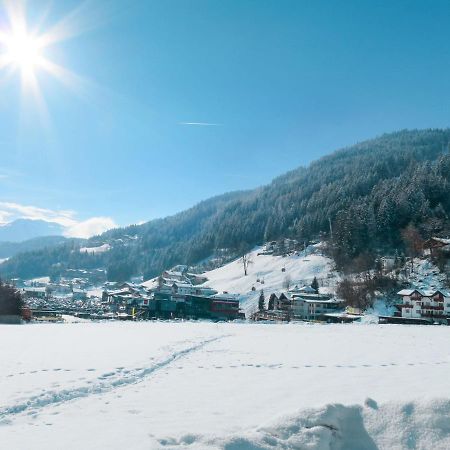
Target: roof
(306,289)
(35,289)
(423,293)
(406,292)
(182,285)
(442,240)
(313,300)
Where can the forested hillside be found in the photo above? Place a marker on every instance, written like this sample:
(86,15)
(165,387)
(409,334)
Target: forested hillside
(369,192)
(8,249)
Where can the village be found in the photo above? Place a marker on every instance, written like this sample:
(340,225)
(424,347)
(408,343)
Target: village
(180,294)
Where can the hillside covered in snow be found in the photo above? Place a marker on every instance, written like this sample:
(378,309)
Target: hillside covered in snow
(271,274)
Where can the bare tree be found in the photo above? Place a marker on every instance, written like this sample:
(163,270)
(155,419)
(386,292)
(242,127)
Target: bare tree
(413,243)
(246,261)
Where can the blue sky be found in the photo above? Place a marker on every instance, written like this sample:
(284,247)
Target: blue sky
(281,83)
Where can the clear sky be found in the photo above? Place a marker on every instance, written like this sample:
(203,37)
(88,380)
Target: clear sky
(173,101)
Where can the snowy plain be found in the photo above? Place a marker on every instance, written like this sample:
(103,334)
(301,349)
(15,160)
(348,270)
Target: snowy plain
(187,385)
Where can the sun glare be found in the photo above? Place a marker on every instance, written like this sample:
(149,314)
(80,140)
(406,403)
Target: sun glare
(23,51)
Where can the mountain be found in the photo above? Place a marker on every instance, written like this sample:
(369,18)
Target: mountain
(24,229)
(9,249)
(367,194)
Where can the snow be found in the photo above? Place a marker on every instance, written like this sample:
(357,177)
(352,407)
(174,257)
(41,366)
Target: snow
(185,385)
(426,276)
(94,250)
(300,267)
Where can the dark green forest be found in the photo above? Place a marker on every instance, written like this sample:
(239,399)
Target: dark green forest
(369,192)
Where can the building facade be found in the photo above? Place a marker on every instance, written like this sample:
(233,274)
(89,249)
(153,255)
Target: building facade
(432,305)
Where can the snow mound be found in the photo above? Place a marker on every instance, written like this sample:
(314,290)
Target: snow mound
(338,427)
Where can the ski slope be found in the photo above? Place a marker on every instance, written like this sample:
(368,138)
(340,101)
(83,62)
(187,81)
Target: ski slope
(300,268)
(184,385)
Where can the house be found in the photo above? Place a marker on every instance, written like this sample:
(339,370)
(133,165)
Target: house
(35,292)
(314,306)
(435,245)
(189,289)
(279,308)
(433,305)
(388,263)
(220,308)
(196,278)
(175,276)
(302,290)
(283,302)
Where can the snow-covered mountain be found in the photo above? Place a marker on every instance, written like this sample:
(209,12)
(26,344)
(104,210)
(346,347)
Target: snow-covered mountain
(23,229)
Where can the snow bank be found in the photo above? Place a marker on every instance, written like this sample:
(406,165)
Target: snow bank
(370,426)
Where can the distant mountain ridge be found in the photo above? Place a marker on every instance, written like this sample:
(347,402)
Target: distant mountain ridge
(24,229)
(368,192)
(9,249)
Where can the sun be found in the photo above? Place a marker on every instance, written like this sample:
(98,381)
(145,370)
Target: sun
(25,47)
(23,51)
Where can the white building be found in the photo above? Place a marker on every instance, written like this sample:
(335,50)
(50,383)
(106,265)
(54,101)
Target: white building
(189,289)
(314,306)
(420,304)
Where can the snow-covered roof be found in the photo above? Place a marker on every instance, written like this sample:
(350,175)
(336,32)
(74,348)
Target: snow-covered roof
(406,292)
(442,240)
(35,289)
(305,289)
(182,285)
(423,293)
(318,300)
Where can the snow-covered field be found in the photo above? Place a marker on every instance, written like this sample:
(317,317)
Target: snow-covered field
(186,385)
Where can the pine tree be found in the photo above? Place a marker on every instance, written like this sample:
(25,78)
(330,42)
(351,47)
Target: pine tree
(315,285)
(11,301)
(261,301)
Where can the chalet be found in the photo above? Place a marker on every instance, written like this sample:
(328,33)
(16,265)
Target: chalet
(435,245)
(279,308)
(302,290)
(284,302)
(433,305)
(281,247)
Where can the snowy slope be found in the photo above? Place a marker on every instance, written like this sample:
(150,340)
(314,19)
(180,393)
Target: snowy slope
(95,250)
(224,386)
(301,268)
